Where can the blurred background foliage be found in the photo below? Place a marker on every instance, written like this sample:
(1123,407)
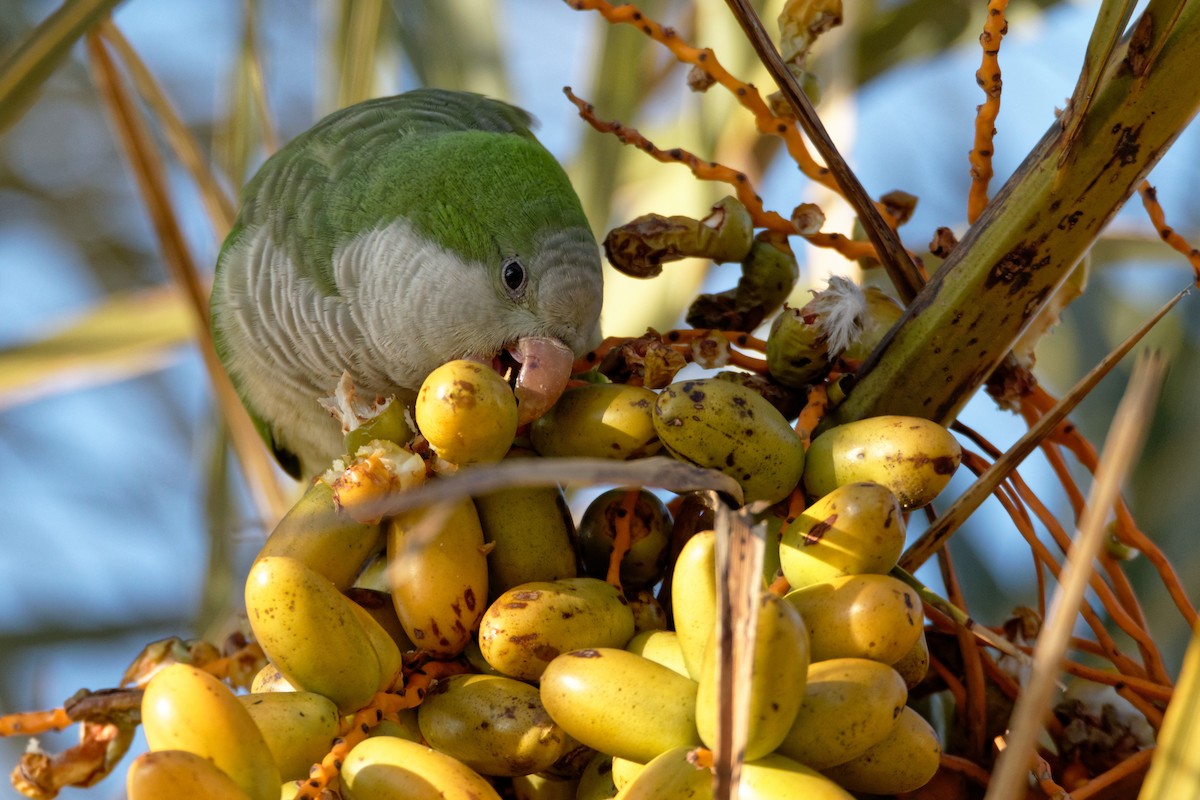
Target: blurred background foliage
(123,518)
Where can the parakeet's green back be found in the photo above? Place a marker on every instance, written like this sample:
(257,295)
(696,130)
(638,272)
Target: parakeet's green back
(388,158)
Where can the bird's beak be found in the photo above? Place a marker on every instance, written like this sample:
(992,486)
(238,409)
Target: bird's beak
(544,372)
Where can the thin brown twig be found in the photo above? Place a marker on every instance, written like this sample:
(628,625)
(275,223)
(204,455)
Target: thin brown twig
(1149,689)
(965,766)
(1121,449)
(1119,598)
(988,78)
(216,199)
(1165,232)
(1102,782)
(713,171)
(974,681)
(150,176)
(1127,530)
(896,261)
(1018,514)
(705,59)
(1129,620)
(957,690)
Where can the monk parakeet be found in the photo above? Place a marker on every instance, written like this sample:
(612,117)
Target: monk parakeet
(393,236)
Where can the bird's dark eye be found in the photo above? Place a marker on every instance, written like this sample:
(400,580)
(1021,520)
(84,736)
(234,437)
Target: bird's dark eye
(513,275)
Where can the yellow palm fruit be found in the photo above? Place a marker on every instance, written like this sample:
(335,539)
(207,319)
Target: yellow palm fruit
(850,704)
(860,616)
(467,413)
(775,776)
(385,647)
(725,426)
(531,532)
(602,420)
(668,776)
(185,708)
(439,575)
(903,762)
(661,647)
(620,703)
(389,768)
(914,664)
(694,598)
(299,728)
(530,625)
(494,725)
(913,457)
(780,668)
(179,775)
(311,632)
(856,528)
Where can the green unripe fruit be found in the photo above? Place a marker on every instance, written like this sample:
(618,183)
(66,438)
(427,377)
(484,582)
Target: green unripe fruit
(903,762)
(640,247)
(649,529)
(603,420)
(881,314)
(913,457)
(620,703)
(769,273)
(390,425)
(778,674)
(860,616)
(596,782)
(721,425)
(467,413)
(914,664)
(528,626)
(856,528)
(850,704)
(316,533)
(494,725)
(531,533)
(797,354)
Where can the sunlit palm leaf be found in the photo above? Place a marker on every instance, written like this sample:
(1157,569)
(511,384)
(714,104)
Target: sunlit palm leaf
(127,335)
(23,73)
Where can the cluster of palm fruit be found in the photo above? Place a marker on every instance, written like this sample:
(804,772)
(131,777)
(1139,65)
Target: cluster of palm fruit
(559,673)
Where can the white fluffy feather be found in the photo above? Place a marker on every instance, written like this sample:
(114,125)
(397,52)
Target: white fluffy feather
(840,308)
